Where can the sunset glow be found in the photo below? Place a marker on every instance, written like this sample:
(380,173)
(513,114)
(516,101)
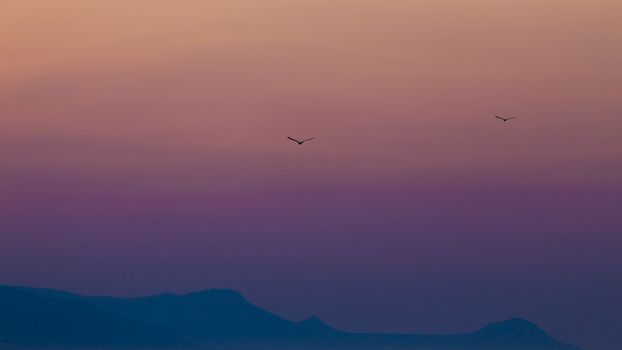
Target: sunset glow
(143,149)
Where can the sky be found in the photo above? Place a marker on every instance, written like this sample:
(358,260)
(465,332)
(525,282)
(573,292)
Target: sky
(143,149)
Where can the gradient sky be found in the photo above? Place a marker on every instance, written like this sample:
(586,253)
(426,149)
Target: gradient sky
(143,150)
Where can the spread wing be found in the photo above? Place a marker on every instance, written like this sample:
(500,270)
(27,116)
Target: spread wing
(309,139)
(293,139)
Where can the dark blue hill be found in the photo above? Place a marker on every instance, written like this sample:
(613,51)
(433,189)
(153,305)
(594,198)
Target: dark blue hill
(214,315)
(28,319)
(216,319)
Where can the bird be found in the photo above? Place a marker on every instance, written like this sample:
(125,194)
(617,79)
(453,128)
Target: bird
(504,119)
(298,141)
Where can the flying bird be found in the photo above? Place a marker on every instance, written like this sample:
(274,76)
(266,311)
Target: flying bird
(504,119)
(298,141)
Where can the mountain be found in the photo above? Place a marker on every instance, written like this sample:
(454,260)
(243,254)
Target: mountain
(29,319)
(217,319)
(513,334)
(214,315)
(314,325)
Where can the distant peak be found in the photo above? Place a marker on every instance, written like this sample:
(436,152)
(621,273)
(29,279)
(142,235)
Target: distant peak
(515,322)
(315,323)
(515,326)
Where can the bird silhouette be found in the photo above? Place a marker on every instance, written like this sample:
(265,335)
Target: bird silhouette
(504,119)
(298,141)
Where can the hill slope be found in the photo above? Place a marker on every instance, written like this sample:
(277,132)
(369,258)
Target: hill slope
(28,319)
(217,318)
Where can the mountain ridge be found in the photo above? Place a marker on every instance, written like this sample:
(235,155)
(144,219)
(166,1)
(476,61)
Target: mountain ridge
(221,318)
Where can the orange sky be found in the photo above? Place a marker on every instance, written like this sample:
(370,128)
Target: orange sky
(234,76)
(173,72)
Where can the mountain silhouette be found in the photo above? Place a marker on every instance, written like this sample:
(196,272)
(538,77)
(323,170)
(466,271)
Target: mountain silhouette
(316,326)
(29,319)
(214,315)
(215,319)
